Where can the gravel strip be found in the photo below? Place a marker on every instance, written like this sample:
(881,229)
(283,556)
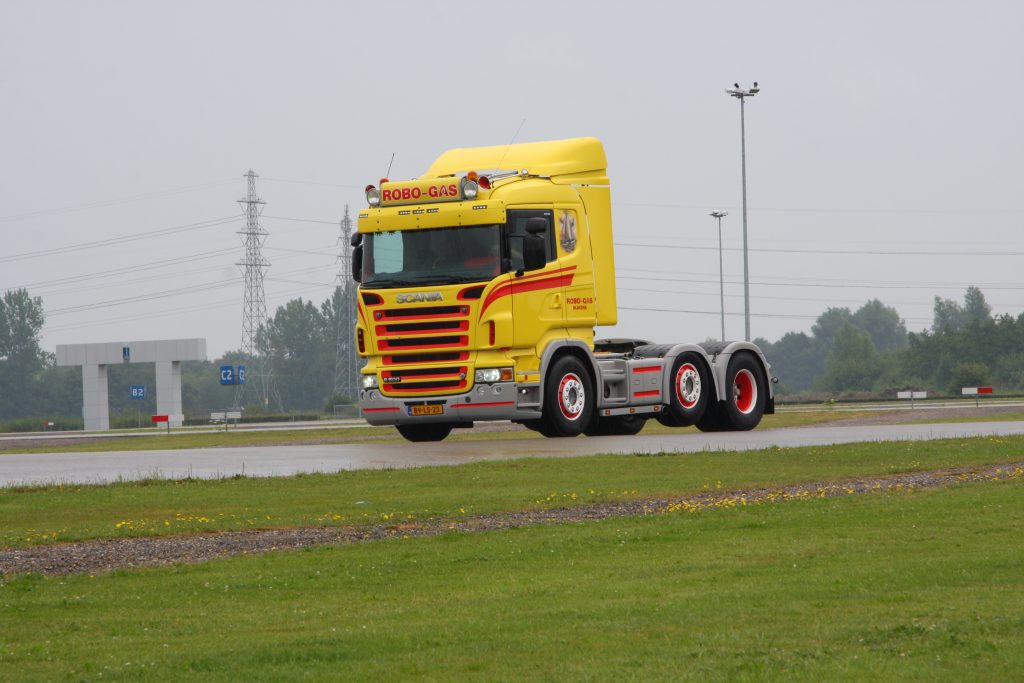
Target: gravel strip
(108,555)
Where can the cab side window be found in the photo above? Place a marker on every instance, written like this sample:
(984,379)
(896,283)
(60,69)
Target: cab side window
(516,231)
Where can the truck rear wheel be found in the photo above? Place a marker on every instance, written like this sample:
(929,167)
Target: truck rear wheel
(688,392)
(746,394)
(714,418)
(433,431)
(568,401)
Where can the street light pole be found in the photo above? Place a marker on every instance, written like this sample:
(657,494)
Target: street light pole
(742,95)
(721,273)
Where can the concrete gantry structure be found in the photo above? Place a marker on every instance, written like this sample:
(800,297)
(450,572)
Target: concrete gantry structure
(167,354)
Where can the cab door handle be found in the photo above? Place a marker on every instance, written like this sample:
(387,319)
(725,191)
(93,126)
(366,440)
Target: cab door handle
(556,301)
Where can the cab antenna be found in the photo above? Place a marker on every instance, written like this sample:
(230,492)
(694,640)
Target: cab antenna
(498,167)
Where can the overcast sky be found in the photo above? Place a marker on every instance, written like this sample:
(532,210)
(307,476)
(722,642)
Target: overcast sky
(884,150)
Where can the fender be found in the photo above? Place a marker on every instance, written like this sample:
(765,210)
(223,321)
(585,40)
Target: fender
(721,352)
(552,349)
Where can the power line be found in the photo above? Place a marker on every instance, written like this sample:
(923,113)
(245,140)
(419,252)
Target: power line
(112,202)
(844,252)
(161,232)
(853,210)
(178,291)
(784,316)
(830,285)
(311,182)
(96,275)
(301,220)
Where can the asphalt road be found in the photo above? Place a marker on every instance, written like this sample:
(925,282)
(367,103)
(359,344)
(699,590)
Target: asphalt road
(37,468)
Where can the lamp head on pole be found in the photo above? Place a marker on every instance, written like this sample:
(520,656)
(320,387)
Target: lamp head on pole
(739,93)
(719,214)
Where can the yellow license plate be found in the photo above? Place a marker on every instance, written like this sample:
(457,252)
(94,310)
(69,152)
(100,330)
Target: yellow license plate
(426,410)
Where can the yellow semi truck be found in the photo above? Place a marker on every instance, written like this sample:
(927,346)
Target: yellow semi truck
(481,283)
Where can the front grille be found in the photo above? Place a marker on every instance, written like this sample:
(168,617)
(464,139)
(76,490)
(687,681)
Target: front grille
(426,337)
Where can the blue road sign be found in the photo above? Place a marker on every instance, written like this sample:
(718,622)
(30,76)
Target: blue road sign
(138,391)
(240,375)
(227,374)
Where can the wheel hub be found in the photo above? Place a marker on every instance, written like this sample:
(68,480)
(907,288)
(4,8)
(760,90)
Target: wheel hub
(688,386)
(572,397)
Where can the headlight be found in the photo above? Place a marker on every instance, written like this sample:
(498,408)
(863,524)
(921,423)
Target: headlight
(369,381)
(469,189)
(489,375)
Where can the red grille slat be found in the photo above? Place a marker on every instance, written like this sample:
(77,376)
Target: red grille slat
(424,343)
(410,329)
(420,358)
(425,387)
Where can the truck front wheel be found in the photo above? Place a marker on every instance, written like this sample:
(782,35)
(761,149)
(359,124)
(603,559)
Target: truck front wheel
(568,399)
(433,431)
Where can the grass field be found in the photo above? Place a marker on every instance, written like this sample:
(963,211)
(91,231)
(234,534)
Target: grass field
(921,586)
(64,513)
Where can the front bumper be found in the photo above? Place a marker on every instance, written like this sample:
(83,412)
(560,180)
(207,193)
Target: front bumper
(498,401)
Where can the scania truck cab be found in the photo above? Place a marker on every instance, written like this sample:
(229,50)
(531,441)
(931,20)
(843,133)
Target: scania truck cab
(481,284)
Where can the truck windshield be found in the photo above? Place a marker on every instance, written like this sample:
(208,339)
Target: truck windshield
(407,258)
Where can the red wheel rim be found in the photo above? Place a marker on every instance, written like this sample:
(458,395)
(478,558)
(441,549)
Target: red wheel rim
(688,386)
(744,392)
(571,397)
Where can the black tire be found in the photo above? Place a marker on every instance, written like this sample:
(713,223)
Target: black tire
(568,398)
(432,431)
(689,387)
(746,392)
(713,419)
(616,425)
(532,425)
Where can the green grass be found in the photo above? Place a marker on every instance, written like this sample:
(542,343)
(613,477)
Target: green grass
(42,515)
(921,586)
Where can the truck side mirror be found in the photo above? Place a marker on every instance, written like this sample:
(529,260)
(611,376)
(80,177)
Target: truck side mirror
(536,226)
(534,251)
(357,256)
(357,263)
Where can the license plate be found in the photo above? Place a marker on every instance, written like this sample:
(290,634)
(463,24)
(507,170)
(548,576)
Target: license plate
(433,409)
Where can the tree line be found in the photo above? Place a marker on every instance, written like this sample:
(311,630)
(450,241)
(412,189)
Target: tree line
(868,351)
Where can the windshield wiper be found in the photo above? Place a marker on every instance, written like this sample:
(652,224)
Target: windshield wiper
(389,282)
(432,280)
